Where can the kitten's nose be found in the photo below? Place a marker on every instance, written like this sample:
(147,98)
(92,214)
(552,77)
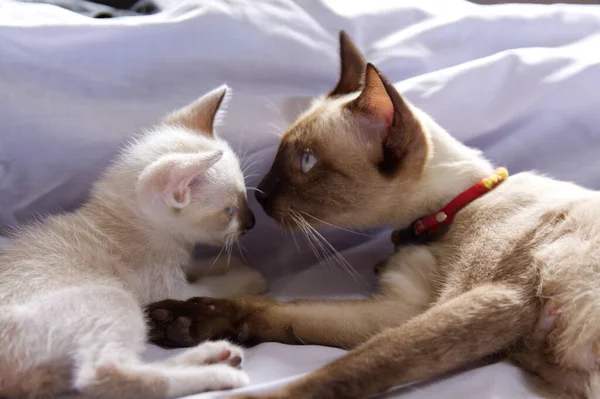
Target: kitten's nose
(248,222)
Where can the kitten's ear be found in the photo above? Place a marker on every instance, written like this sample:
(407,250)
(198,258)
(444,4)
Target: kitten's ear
(171,178)
(390,119)
(352,67)
(200,115)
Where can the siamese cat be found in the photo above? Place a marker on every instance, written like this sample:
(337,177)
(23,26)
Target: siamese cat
(72,286)
(484,263)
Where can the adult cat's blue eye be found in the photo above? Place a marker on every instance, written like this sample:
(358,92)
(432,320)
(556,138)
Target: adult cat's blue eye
(230,210)
(308,160)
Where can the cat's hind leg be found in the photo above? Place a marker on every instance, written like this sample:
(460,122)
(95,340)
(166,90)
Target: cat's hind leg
(108,364)
(88,340)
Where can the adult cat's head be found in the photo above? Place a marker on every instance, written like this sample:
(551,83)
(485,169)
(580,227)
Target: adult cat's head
(181,179)
(354,158)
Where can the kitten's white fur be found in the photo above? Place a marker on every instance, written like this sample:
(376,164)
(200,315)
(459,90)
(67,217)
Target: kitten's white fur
(73,286)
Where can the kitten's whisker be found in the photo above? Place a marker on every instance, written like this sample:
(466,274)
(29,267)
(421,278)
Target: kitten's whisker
(241,249)
(218,256)
(251,164)
(271,104)
(229,248)
(240,147)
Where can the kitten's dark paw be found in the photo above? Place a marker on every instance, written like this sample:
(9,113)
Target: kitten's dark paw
(186,323)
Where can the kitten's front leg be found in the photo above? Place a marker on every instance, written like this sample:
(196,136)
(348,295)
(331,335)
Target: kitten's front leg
(223,278)
(473,325)
(239,280)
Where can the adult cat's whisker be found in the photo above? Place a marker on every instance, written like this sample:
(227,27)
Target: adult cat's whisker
(255,189)
(289,226)
(333,225)
(331,253)
(300,222)
(335,253)
(320,251)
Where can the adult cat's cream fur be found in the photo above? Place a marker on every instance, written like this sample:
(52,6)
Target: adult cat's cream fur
(72,287)
(363,156)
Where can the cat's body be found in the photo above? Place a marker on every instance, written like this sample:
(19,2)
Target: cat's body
(72,286)
(517,271)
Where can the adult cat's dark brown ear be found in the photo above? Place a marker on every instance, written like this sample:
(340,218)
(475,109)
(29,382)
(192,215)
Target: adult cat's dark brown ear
(353,65)
(402,137)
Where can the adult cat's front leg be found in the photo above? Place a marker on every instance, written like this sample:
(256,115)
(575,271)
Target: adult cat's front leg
(475,324)
(404,293)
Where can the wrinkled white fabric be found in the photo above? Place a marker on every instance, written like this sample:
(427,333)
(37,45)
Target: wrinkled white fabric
(518,81)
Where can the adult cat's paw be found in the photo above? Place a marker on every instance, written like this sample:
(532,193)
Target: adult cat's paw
(186,323)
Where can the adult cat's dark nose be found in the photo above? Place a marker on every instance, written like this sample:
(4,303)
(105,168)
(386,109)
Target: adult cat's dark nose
(250,220)
(261,197)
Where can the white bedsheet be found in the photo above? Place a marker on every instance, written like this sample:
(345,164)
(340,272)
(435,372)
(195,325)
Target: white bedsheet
(520,82)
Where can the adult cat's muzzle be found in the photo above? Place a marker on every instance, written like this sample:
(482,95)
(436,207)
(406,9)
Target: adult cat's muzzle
(265,192)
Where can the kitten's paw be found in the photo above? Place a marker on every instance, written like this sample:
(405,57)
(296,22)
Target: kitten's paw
(238,281)
(225,377)
(210,352)
(186,323)
(253,283)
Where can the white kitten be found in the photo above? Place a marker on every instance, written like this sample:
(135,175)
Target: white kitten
(73,286)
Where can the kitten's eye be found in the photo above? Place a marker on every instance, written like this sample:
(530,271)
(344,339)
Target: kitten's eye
(307,161)
(230,210)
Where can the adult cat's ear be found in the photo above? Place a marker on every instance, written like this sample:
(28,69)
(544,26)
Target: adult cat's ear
(200,115)
(172,177)
(389,117)
(380,101)
(352,67)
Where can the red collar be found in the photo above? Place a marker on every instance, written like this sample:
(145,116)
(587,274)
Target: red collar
(426,226)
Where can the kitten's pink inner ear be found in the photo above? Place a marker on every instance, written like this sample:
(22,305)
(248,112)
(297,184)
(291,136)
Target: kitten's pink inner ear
(188,169)
(374,101)
(174,178)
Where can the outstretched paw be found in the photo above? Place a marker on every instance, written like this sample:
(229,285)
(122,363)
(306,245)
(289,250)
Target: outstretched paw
(211,352)
(175,323)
